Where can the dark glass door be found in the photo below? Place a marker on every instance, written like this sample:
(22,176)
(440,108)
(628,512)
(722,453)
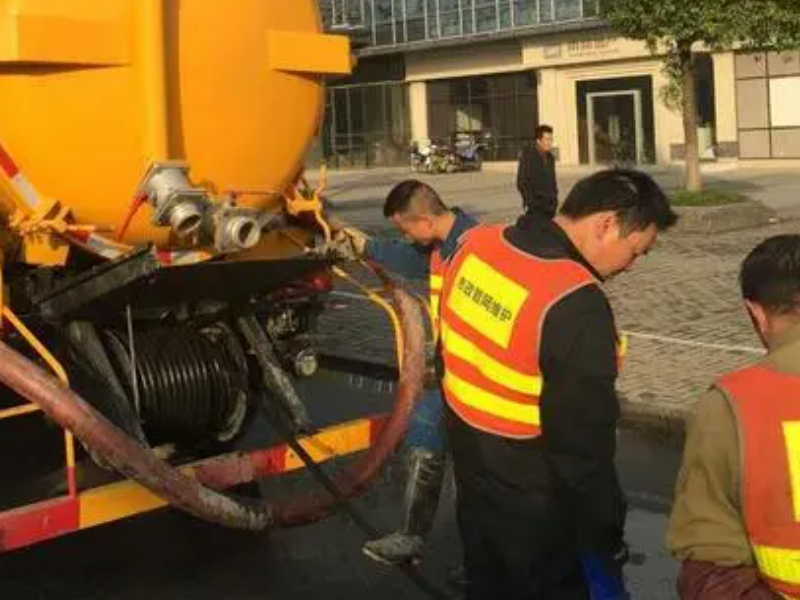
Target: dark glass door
(615,127)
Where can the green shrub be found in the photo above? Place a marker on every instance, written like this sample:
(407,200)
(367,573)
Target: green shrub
(706,198)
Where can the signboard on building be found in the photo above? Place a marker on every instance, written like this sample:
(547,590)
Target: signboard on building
(577,48)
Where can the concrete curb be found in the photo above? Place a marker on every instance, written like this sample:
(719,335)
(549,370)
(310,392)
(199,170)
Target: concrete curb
(655,421)
(720,219)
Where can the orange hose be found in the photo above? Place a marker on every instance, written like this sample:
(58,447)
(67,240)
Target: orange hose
(136,204)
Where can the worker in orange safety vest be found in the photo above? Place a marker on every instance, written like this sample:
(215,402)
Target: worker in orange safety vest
(530,353)
(735,522)
(431,231)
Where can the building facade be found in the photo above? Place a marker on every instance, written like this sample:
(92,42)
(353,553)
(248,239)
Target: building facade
(430,69)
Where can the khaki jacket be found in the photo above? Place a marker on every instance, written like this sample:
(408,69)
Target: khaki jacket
(706,528)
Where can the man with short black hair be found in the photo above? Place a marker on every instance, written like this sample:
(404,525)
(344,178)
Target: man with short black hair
(735,521)
(530,352)
(433,231)
(536,174)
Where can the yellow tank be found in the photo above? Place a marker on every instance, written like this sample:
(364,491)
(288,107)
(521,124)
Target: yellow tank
(96,92)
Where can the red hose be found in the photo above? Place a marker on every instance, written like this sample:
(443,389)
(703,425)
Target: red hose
(356,480)
(139,463)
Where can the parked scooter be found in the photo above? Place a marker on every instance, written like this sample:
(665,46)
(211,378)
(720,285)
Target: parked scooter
(428,157)
(464,154)
(419,157)
(468,152)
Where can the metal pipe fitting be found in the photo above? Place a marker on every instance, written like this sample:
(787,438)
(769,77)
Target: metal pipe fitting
(231,229)
(185,218)
(177,203)
(240,231)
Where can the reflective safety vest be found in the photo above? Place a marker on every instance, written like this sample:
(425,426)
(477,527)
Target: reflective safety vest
(494,303)
(437,269)
(767,408)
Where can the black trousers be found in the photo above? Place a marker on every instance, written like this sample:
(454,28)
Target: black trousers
(517,550)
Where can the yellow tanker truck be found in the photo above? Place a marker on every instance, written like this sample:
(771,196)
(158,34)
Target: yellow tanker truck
(163,257)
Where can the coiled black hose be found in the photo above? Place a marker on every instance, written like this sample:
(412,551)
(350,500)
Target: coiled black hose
(191,384)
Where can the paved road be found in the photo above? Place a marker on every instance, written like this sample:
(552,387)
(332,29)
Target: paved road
(168,556)
(680,305)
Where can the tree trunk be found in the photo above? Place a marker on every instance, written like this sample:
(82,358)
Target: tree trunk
(694,182)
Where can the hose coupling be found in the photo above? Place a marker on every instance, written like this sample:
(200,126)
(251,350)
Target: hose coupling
(177,203)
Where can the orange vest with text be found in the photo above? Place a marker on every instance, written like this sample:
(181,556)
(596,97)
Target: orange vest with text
(494,302)
(767,408)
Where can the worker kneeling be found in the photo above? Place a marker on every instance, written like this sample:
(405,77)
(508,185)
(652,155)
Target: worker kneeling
(736,518)
(530,355)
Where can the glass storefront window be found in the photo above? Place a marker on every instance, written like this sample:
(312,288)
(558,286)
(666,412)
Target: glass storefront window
(501,110)
(367,125)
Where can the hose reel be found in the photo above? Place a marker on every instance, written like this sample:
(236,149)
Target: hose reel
(187,385)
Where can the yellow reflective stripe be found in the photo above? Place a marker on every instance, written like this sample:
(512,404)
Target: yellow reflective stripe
(791,435)
(622,345)
(116,501)
(436,282)
(459,346)
(492,404)
(435,305)
(779,563)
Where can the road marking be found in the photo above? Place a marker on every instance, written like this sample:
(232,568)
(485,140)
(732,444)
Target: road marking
(637,334)
(682,342)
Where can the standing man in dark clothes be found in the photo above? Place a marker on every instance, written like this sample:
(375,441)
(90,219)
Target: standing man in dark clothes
(530,352)
(432,231)
(536,174)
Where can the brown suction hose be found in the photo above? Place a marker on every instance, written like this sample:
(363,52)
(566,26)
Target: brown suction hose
(140,464)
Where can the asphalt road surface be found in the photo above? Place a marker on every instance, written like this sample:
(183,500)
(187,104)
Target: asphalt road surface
(167,555)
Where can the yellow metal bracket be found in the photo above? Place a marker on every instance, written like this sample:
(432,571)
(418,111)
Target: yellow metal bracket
(56,39)
(42,231)
(309,53)
(305,200)
(37,230)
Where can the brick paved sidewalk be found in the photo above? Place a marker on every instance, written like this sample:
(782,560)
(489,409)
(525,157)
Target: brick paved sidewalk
(680,305)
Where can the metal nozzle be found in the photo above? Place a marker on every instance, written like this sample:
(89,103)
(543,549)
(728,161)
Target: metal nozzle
(241,232)
(185,218)
(177,203)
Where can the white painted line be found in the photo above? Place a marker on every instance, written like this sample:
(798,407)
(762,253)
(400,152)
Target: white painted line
(635,334)
(682,342)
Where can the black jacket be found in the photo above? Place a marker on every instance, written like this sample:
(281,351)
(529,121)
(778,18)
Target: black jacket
(567,474)
(536,181)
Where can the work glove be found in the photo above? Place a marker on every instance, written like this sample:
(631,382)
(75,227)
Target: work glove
(604,575)
(350,243)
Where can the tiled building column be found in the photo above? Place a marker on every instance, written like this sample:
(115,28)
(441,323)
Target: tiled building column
(725,105)
(418,107)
